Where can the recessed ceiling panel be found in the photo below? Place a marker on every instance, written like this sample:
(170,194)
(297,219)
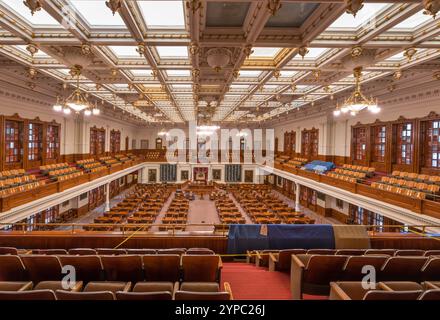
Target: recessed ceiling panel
(292,15)
(226,14)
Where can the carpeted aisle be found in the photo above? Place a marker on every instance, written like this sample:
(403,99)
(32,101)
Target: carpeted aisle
(251,283)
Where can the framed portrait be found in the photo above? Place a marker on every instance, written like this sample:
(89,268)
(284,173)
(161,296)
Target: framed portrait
(216,174)
(184,175)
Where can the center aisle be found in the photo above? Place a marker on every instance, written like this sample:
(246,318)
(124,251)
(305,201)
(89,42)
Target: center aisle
(200,212)
(251,283)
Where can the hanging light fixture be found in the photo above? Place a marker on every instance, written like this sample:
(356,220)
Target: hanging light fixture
(357,101)
(57,106)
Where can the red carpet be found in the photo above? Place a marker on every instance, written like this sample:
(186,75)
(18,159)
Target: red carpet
(251,283)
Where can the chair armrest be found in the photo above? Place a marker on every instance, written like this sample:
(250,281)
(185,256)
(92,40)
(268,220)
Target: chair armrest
(127,287)
(273,260)
(428,285)
(336,292)
(78,286)
(27,286)
(258,258)
(228,289)
(296,276)
(220,263)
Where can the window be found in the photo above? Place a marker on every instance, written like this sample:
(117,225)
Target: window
(359,143)
(115,141)
(309,143)
(431,145)
(379,143)
(13,141)
(52,142)
(97,141)
(290,142)
(404,143)
(35,143)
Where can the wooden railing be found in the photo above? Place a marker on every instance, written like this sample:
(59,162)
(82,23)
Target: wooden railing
(14,200)
(427,207)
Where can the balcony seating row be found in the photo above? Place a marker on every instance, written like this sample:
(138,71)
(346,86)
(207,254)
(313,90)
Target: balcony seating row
(313,273)
(21,188)
(397,190)
(417,186)
(369,171)
(109,275)
(11,173)
(51,167)
(411,176)
(388,290)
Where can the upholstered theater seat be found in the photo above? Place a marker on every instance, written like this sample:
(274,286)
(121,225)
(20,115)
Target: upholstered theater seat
(402,269)
(12,268)
(87,267)
(312,274)
(356,291)
(95,295)
(430,295)
(42,268)
(281,261)
(350,252)
(82,251)
(123,268)
(400,286)
(8,250)
(354,266)
(49,251)
(144,296)
(28,295)
(431,270)
(107,251)
(408,253)
(15,285)
(200,286)
(162,267)
(141,251)
(201,268)
(199,251)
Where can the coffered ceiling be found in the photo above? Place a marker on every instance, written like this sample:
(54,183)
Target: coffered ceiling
(154,61)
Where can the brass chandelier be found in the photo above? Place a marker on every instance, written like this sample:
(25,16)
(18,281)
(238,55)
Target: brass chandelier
(357,101)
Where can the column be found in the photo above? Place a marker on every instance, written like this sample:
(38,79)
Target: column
(297,192)
(107,197)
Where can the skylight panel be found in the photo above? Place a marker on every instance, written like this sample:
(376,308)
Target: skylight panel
(40,18)
(287,73)
(172,52)
(178,73)
(141,72)
(39,54)
(366,15)
(264,52)
(163,14)
(125,51)
(250,73)
(398,56)
(96,13)
(414,21)
(181,86)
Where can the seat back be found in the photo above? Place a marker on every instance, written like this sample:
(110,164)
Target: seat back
(82,251)
(354,265)
(12,269)
(42,268)
(123,268)
(408,253)
(321,251)
(200,268)
(429,253)
(190,295)
(49,251)
(145,296)
(28,295)
(322,269)
(87,267)
(392,295)
(431,271)
(389,252)
(97,295)
(110,252)
(163,267)
(172,251)
(199,251)
(141,251)
(430,295)
(350,252)
(8,250)
(285,258)
(402,269)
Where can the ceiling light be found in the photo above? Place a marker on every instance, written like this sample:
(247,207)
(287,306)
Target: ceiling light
(218,58)
(432,7)
(33,5)
(114,5)
(357,101)
(66,110)
(87,112)
(353,6)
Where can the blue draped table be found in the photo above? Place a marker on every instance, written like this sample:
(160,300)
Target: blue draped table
(244,237)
